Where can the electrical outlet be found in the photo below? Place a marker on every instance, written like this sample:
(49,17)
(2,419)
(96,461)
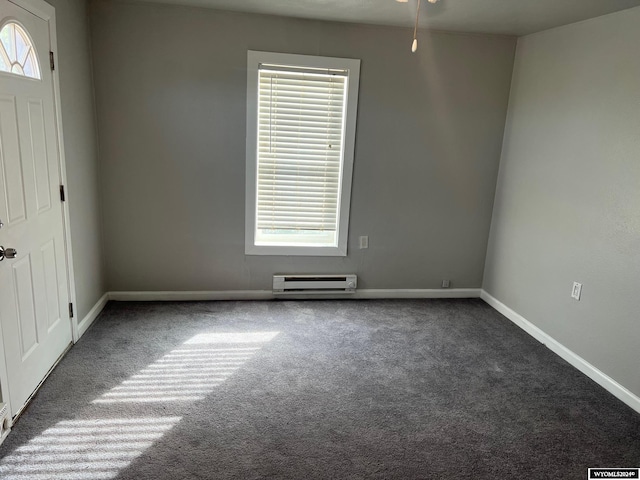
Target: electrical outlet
(364,242)
(576,291)
(446,283)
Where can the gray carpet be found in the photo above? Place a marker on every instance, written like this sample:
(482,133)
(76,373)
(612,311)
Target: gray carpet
(395,389)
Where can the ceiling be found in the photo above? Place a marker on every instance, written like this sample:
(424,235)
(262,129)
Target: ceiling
(510,17)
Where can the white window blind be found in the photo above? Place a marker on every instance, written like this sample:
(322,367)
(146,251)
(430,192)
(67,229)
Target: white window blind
(301,124)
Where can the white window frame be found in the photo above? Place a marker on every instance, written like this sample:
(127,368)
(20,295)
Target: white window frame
(254,60)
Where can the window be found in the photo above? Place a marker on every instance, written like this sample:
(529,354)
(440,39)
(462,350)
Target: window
(301,117)
(17,54)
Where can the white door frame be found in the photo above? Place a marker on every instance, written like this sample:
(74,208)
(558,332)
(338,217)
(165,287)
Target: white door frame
(47,12)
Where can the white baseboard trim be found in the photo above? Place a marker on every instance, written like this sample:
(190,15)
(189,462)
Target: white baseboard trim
(90,317)
(152,296)
(577,361)
(268,295)
(417,293)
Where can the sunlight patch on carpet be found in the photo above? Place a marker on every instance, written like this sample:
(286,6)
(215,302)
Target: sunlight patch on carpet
(191,371)
(94,449)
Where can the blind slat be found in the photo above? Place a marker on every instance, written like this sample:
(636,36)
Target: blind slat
(280,217)
(269,112)
(297,196)
(298,185)
(298,130)
(297,76)
(294,164)
(307,100)
(294,143)
(280,152)
(296,173)
(275,120)
(286,203)
(283,189)
(327,154)
(298,93)
(315,97)
(294,83)
(301,107)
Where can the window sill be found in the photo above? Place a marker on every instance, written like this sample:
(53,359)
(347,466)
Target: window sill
(295,251)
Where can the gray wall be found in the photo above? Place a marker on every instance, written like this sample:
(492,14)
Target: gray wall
(81,152)
(568,197)
(171,101)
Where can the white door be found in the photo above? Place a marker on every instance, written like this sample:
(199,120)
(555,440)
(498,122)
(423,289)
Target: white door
(34,313)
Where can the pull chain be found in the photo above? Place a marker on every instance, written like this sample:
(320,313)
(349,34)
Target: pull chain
(414,45)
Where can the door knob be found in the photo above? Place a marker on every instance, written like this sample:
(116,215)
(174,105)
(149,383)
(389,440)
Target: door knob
(7,253)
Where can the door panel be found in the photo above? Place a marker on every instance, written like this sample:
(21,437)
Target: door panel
(14,203)
(36,328)
(39,154)
(25,306)
(50,269)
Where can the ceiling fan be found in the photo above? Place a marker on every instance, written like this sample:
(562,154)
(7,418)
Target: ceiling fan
(414,45)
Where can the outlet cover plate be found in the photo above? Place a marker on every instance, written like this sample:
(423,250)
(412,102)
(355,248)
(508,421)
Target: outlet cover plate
(576,291)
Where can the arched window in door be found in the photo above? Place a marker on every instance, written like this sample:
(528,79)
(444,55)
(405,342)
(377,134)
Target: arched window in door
(17,54)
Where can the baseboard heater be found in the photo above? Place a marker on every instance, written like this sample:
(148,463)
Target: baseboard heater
(314,284)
